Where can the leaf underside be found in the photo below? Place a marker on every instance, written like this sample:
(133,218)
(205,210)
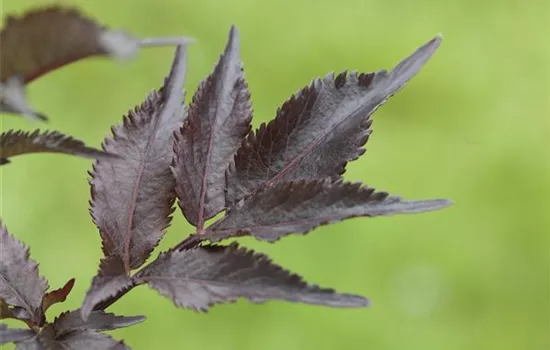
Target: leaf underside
(20,284)
(298,207)
(201,277)
(319,129)
(219,118)
(18,142)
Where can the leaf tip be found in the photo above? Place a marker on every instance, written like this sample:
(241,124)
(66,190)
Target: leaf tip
(233,41)
(233,31)
(434,43)
(357,301)
(428,205)
(442,203)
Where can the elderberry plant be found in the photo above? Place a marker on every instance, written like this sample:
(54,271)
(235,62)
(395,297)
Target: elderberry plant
(283,178)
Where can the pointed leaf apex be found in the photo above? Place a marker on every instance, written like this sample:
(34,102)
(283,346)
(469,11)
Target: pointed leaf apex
(233,41)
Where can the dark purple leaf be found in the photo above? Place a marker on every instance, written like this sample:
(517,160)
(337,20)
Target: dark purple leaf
(17,142)
(132,198)
(9,335)
(219,119)
(20,283)
(97,320)
(57,296)
(110,280)
(320,129)
(298,207)
(203,276)
(88,340)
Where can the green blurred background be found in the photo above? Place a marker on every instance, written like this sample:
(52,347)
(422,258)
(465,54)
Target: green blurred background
(473,126)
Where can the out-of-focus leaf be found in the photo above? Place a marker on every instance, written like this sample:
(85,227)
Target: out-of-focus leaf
(132,197)
(43,40)
(9,335)
(20,283)
(46,39)
(319,129)
(298,207)
(219,119)
(17,142)
(110,280)
(98,321)
(203,276)
(57,296)
(13,99)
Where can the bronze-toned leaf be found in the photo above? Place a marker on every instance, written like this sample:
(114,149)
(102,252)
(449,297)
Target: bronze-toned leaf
(5,311)
(57,296)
